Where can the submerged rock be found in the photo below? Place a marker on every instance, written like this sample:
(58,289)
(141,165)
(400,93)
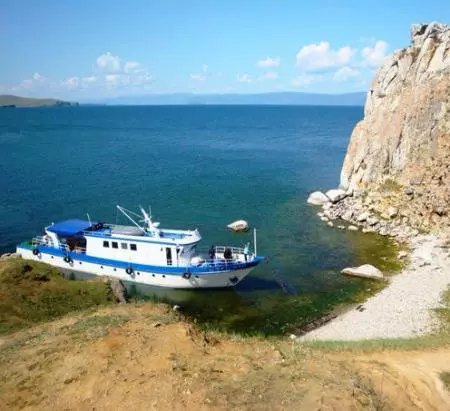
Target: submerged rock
(317,198)
(364,271)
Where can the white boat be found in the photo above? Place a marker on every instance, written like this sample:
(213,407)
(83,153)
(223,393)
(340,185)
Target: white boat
(139,253)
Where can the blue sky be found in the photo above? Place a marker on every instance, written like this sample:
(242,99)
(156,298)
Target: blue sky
(91,49)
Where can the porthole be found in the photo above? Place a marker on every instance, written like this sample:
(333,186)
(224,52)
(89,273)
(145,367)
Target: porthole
(196,276)
(138,273)
(153,275)
(51,256)
(114,269)
(101,266)
(164,276)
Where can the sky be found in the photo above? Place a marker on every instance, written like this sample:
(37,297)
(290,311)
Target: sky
(81,50)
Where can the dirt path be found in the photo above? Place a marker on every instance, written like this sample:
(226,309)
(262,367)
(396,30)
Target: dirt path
(144,357)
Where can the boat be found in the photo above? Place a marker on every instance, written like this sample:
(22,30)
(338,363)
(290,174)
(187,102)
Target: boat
(140,253)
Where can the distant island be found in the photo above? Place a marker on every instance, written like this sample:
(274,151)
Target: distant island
(274,98)
(9,101)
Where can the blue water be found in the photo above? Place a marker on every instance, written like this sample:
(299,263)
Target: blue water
(198,167)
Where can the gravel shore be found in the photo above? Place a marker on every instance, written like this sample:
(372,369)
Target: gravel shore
(405,307)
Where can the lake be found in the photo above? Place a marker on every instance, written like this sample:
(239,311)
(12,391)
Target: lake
(198,167)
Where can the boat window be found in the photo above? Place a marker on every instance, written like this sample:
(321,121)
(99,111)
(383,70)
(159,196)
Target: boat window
(124,246)
(106,244)
(169,255)
(114,244)
(133,247)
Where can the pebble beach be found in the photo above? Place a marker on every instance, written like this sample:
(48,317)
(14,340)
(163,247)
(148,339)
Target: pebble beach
(406,307)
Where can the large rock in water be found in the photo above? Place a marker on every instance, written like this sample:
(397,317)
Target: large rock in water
(317,198)
(402,146)
(365,271)
(239,226)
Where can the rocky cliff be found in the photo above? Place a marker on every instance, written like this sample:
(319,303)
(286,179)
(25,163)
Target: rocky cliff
(399,154)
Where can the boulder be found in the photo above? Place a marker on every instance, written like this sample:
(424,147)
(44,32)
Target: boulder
(364,271)
(352,228)
(336,195)
(363,217)
(392,212)
(238,226)
(317,198)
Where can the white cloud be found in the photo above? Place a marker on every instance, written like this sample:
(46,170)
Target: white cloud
(197,77)
(133,67)
(109,63)
(269,62)
(243,78)
(205,68)
(345,73)
(112,79)
(270,75)
(71,82)
(317,57)
(89,80)
(306,79)
(38,77)
(374,56)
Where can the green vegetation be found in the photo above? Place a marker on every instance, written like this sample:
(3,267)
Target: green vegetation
(445,378)
(32,292)
(15,101)
(390,185)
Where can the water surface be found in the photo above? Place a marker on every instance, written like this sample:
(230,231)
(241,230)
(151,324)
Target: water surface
(198,167)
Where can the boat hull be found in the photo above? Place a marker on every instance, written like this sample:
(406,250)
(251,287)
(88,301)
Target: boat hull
(215,279)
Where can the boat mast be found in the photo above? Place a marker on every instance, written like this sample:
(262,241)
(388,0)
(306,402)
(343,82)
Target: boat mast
(124,212)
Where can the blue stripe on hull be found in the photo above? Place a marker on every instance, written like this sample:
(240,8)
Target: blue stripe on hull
(219,267)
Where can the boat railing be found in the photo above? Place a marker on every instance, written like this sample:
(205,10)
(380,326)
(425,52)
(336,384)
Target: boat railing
(42,240)
(234,250)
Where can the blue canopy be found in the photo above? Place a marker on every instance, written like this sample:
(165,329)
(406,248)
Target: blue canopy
(69,228)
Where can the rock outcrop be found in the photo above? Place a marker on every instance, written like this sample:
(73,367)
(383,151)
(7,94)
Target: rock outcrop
(398,159)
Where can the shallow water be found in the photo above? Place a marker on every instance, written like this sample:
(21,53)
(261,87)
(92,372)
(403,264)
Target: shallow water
(197,166)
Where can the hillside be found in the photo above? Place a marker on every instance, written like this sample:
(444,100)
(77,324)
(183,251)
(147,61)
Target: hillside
(276,98)
(16,101)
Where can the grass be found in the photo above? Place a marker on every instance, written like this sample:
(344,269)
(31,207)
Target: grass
(390,185)
(32,292)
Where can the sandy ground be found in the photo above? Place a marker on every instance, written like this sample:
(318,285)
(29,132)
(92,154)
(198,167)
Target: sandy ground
(405,307)
(142,357)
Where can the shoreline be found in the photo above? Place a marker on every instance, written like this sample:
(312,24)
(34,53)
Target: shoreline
(403,309)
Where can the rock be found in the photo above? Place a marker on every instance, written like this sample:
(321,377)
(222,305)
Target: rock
(347,216)
(118,289)
(238,226)
(330,224)
(6,256)
(317,198)
(362,217)
(372,221)
(320,214)
(341,227)
(325,219)
(336,195)
(176,308)
(352,228)
(402,254)
(365,271)
(392,212)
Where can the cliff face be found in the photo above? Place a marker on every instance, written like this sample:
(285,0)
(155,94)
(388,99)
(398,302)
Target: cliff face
(403,142)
